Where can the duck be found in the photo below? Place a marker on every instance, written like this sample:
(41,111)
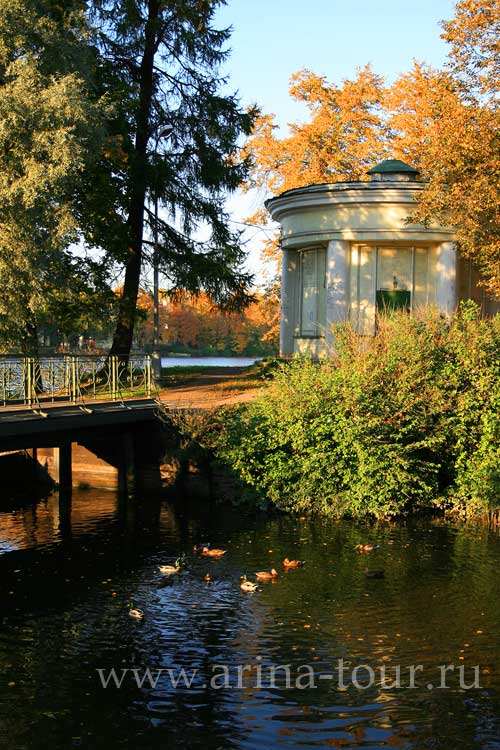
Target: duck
(200,547)
(247,585)
(169,570)
(207,577)
(366,547)
(209,552)
(266,575)
(377,573)
(292,563)
(138,614)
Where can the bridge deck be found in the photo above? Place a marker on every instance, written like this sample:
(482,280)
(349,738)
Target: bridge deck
(24,427)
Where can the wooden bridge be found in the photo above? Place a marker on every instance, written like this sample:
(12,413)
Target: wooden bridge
(100,410)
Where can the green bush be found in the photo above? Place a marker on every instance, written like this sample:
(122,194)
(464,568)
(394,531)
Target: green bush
(402,422)
(474,425)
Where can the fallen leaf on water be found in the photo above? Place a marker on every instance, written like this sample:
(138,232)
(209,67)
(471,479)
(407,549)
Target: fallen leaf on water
(358,734)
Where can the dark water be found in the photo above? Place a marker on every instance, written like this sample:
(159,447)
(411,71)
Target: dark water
(67,580)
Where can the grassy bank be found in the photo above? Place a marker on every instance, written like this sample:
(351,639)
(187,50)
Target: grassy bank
(404,422)
(185,374)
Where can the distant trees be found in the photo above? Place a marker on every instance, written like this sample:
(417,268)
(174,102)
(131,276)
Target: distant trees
(195,324)
(445,122)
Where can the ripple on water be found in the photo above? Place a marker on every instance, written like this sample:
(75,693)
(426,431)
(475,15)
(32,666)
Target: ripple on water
(67,617)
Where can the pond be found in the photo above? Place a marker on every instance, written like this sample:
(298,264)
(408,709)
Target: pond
(208,361)
(67,578)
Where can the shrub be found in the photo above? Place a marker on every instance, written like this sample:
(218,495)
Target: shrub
(403,422)
(474,427)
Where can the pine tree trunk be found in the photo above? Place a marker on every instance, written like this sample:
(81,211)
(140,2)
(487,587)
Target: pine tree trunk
(29,342)
(122,340)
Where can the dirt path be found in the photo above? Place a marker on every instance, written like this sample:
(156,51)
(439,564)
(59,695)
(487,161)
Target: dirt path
(218,387)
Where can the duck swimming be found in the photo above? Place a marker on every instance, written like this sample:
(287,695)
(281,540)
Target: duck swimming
(138,614)
(247,585)
(366,547)
(292,563)
(266,575)
(200,547)
(169,570)
(209,552)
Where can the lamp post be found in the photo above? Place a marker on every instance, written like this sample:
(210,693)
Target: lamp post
(156,297)
(156,273)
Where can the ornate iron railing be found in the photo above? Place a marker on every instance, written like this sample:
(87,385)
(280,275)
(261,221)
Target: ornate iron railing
(76,379)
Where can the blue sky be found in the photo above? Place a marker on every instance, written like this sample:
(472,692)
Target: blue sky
(273,39)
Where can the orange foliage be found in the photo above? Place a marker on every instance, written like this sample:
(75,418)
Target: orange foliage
(446,123)
(195,323)
(343,138)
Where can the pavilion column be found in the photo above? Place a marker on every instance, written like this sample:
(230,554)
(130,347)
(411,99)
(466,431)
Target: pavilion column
(288,317)
(337,288)
(446,277)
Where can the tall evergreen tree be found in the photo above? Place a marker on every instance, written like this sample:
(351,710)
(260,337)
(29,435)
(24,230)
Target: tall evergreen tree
(173,142)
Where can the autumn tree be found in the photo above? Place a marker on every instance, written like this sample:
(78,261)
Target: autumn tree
(444,122)
(413,109)
(462,158)
(344,135)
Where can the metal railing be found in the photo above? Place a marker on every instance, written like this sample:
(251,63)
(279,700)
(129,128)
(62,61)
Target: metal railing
(34,381)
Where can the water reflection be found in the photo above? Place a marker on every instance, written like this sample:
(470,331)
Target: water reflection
(69,573)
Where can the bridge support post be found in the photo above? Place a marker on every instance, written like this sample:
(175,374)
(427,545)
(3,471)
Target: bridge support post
(126,473)
(33,452)
(62,467)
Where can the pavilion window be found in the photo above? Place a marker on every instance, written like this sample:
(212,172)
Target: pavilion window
(313,292)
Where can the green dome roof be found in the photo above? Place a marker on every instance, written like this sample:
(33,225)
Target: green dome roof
(392,166)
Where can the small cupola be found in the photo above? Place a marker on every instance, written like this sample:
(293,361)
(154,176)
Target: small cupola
(393,170)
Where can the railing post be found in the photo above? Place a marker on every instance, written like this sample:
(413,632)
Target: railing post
(25,369)
(52,379)
(67,382)
(74,379)
(113,365)
(28,374)
(4,385)
(148,376)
